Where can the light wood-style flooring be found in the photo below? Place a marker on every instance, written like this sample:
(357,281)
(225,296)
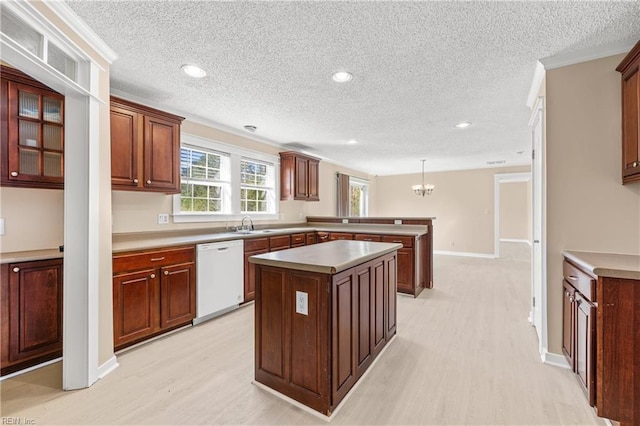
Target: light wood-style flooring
(465,354)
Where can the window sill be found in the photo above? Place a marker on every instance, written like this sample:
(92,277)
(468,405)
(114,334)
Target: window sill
(204,217)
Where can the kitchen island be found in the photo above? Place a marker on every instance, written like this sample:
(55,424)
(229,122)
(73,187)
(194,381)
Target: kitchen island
(323,313)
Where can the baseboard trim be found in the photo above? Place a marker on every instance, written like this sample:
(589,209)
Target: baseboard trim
(511,240)
(32,368)
(108,367)
(556,360)
(465,254)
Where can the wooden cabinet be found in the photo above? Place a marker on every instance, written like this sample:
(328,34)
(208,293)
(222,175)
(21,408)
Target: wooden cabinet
(630,115)
(578,331)
(322,237)
(31,311)
(412,263)
(367,237)
(32,132)
(316,358)
(153,292)
(298,240)
(299,177)
(145,148)
(340,236)
(252,247)
(601,336)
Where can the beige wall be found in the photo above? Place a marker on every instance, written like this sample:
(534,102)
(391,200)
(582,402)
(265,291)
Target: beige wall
(33,218)
(137,212)
(587,206)
(515,211)
(462,203)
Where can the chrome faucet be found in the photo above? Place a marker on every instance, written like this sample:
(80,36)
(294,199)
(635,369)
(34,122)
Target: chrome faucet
(250,226)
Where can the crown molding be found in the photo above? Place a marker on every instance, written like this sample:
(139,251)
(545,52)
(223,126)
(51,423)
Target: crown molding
(566,59)
(69,17)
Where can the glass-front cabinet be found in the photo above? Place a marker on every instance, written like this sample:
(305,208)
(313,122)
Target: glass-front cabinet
(33,136)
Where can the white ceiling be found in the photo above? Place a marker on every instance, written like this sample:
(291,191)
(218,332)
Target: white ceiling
(419,68)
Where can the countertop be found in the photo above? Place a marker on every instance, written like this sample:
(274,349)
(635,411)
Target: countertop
(157,239)
(326,258)
(609,265)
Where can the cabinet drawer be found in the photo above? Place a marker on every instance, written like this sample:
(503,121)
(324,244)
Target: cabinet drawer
(298,239)
(152,258)
(340,236)
(322,236)
(256,244)
(279,242)
(579,279)
(367,237)
(404,240)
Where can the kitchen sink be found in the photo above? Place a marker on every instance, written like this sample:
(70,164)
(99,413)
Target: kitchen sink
(256,231)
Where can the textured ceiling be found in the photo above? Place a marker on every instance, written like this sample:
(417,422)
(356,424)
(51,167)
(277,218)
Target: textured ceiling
(419,68)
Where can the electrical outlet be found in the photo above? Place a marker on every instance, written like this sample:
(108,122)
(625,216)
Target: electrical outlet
(302,303)
(345,220)
(163,218)
(397,221)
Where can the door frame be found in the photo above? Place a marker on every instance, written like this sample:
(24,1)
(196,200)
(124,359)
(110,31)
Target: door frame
(497,180)
(83,236)
(538,231)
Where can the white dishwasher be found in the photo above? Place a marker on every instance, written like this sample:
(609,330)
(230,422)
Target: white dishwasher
(219,278)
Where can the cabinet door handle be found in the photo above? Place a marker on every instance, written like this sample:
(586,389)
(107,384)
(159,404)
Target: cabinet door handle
(135,181)
(573,277)
(149,182)
(572,299)
(14,174)
(566,293)
(152,276)
(16,269)
(157,259)
(166,272)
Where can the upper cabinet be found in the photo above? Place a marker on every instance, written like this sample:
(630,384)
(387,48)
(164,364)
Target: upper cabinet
(299,177)
(32,132)
(630,115)
(145,148)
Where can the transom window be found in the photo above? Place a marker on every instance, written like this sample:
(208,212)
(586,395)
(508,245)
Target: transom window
(223,182)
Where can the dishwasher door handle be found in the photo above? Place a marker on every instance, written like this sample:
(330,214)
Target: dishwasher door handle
(223,248)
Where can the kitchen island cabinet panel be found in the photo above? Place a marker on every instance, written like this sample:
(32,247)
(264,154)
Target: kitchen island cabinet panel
(322,327)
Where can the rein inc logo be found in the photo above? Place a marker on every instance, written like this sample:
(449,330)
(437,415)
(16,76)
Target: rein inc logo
(16,421)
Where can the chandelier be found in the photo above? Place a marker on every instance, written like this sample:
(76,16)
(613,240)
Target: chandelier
(423,189)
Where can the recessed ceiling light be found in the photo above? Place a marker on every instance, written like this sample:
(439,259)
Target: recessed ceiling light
(352,142)
(250,128)
(463,124)
(342,76)
(193,71)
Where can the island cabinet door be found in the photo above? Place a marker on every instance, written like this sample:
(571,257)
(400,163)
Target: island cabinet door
(292,334)
(344,336)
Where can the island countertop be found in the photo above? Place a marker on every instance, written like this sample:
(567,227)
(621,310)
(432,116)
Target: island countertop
(326,258)
(610,265)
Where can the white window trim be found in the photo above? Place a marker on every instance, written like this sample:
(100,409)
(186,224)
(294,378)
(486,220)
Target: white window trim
(235,154)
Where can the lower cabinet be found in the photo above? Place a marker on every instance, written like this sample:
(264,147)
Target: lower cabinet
(252,247)
(316,355)
(31,312)
(154,291)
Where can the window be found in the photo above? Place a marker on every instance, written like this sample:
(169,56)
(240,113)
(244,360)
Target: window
(223,182)
(358,197)
(204,176)
(256,180)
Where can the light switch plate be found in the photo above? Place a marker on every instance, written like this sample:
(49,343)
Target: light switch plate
(302,303)
(163,218)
